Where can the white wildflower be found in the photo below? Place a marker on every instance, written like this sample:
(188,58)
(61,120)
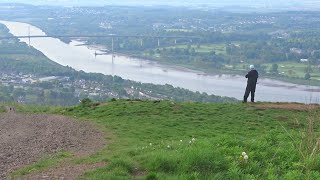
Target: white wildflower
(245,157)
(168,146)
(150,144)
(193,139)
(180,140)
(244,153)
(190,142)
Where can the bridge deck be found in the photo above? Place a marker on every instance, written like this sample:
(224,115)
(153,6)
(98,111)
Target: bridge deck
(98,36)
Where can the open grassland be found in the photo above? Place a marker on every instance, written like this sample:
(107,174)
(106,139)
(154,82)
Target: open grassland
(293,69)
(289,69)
(204,48)
(178,30)
(219,49)
(167,140)
(291,72)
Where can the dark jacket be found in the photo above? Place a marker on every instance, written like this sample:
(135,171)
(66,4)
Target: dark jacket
(252,78)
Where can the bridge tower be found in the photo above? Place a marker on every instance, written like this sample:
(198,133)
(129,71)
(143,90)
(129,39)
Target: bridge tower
(112,43)
(112,58)
(112,49)
(29,35)
(158,42)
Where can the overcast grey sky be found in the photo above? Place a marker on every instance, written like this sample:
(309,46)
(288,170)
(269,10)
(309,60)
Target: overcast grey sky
(218,3)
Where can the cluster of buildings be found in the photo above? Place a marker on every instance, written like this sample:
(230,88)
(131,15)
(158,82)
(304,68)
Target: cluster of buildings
(56,83)
(80,88)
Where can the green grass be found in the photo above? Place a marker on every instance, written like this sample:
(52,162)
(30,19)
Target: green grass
(167,140)
(37,108)
(2,108)
(293,69)
(178,30)
(41,165)
(289,69)
(288,72)
(204,48)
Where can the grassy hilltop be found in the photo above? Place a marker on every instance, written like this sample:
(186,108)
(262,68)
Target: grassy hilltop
(168,140)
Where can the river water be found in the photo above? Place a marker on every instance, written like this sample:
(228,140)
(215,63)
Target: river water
(81,57)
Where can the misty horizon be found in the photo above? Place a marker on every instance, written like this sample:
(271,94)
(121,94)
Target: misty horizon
(270,4)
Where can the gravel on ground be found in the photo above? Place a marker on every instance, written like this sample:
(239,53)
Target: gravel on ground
(25,138)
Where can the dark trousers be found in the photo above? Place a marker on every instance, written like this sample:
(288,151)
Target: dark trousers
(249,90)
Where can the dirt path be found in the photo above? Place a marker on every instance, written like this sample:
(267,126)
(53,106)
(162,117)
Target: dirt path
(26,138)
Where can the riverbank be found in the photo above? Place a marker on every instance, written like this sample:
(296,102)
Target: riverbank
(213,71)
(265,80)
(291,82)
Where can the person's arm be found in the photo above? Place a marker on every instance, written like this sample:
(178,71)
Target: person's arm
(248,75)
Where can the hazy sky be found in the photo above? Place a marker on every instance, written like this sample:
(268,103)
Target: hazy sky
(218,3)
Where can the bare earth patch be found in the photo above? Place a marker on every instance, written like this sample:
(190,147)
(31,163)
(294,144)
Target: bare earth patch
(290,106)
(25,138)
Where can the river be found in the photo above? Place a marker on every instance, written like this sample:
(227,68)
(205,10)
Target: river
(81,57)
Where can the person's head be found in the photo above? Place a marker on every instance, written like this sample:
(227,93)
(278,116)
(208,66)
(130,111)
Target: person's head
(251,66)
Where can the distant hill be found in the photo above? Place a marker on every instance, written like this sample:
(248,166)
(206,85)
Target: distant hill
(269,4)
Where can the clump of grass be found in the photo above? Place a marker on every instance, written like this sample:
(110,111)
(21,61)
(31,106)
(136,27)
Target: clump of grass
(118,167)
(121,163)
(307,143)
(45,163)
(2,109)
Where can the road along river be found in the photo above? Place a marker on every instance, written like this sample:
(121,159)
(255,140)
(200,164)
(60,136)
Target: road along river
(81,57)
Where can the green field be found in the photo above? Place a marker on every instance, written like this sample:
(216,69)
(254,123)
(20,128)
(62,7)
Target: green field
(167,140)
(219,49)
(289,69)
(293,69)
(178,30)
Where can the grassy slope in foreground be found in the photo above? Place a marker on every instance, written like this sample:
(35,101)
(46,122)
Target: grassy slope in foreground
(154,140)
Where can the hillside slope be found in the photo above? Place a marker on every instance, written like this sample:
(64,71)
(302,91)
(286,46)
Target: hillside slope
(168,140)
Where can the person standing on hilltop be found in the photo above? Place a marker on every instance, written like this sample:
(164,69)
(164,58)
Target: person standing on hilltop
(252,77)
